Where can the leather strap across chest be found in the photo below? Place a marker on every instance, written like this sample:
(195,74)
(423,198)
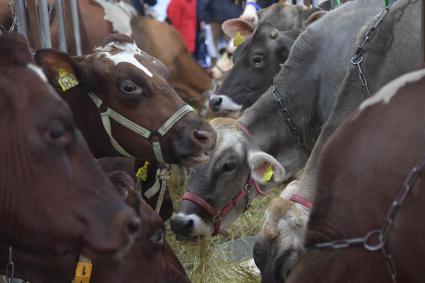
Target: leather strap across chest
(109,114)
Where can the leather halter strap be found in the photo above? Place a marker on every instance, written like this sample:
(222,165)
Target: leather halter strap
(147,134)
(301,200)
(218,214)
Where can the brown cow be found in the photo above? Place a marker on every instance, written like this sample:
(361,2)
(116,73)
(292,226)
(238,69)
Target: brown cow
(366,168)
(156,38)
(118,79)
(53,197)
(150,258)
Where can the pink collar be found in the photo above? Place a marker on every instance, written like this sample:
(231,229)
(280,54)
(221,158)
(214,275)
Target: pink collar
(301,200)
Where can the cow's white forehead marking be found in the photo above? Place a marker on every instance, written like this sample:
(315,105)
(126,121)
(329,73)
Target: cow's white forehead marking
(199,226)
(38,71)
(227,138)
(391,89)
(127,54)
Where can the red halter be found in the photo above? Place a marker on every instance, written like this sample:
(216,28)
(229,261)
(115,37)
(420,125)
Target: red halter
(302,200)
(218,214)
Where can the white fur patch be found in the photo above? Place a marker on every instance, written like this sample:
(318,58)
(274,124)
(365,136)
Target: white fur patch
(119,15)
(389,90)
(290,189)
(250,14)
(199,226)
(227,104)
(228,138)
(38,71)
(127,54)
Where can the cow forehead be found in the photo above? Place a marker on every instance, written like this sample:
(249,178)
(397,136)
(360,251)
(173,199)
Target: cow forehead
(229,138)
(124,52)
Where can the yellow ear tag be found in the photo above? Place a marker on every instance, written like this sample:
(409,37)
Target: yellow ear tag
(268,174)
(142,172)
(83,272)
(66,80)
(238,39)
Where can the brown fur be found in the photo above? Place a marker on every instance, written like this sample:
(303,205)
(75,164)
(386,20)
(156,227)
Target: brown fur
(53,197)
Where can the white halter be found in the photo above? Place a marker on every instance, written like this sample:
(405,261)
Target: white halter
(147,134)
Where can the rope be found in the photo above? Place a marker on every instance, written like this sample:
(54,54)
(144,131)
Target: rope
(164,176)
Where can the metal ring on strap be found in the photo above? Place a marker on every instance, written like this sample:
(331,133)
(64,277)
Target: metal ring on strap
(147,134)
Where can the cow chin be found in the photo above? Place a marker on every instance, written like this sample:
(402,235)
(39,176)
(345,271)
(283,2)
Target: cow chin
(196,160)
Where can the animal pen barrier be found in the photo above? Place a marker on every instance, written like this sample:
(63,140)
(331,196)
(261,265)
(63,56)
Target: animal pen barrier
(33,19)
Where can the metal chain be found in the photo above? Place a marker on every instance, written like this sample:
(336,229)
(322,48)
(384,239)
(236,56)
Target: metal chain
(381,233)
(10,267)
(361,49)
(287,116)
(15,23)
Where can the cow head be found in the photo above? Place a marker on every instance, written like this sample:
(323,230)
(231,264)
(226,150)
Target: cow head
(259,58)
(53,197)
(118,77)
(235,165)
(280,241)
(256,63)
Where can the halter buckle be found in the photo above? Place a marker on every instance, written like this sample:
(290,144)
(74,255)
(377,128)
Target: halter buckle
(217,217)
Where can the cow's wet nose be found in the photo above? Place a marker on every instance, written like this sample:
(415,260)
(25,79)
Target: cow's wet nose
(215,103)
(181,225)
(202,138)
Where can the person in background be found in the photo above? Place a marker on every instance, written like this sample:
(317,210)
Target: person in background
(139,5)
(182,15)
(212,14)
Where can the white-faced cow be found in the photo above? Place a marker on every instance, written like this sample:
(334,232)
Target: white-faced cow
(316,83)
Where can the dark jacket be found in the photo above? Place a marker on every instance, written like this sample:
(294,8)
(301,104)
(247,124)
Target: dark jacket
(219,10)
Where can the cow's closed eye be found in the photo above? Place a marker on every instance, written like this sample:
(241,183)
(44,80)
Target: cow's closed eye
(228,166)
(129,88)
(56,133)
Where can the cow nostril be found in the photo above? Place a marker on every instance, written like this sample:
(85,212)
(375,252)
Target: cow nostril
(215,103)
(133,225)
(182,226)
(202,136)
(188,225)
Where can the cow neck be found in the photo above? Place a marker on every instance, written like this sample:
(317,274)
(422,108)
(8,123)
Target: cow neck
(272,135)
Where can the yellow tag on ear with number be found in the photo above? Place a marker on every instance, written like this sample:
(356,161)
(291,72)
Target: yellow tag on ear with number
(66,80)
(238,39)
(83,272)
(268,174)
(142,173)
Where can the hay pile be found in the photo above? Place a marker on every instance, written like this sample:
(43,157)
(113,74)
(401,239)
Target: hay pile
(205,263)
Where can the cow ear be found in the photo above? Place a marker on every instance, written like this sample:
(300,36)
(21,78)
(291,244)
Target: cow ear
(314,17)
(264,168)
(62,71)
(230,27)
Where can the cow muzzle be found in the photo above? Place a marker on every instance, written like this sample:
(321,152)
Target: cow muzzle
(223,104)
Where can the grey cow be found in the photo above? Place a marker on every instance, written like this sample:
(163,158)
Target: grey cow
(320,87)
(258,59)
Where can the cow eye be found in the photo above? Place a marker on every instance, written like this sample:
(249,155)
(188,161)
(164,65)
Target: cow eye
(257,61)
(56,133)
(129,88)
(258,255)
(228,166)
